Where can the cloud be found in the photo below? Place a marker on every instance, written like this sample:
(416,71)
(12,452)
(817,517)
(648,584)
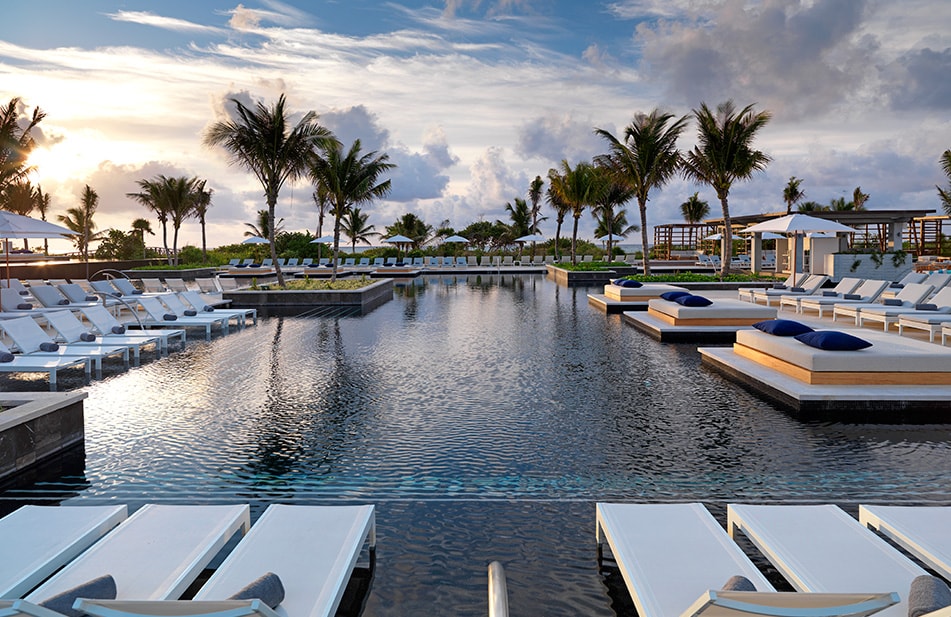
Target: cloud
(923,78)
(281,14)
(794,58)
(553,138)
(357,122)
(146,18)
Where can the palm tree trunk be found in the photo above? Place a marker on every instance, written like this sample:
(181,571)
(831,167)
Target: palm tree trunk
(204,249)
(574,239)
(168,256)
(558,242)
(336,253)
(727,237)
(174,254)
(271,203)
(642,206)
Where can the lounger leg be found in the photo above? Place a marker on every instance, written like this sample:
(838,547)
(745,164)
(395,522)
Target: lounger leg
(53,380)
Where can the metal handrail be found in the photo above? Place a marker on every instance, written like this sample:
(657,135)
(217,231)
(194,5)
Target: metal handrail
(134,310)
(498,591)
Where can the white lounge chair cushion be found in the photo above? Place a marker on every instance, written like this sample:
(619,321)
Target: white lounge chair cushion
(719,309)
(174,608)
(789,604)
(100,588)
(650,290)
(888,353)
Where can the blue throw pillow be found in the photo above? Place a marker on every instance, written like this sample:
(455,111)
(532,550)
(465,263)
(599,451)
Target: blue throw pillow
(782,327)
(892,302)
(87,337)
(671,296)
(118,329)
(832,340)
(628,283)
(926,307)
(691,300)
(169,317)
(852,297)
(6,356)
(47,346)
(24,306)
(190,312)
(797,290)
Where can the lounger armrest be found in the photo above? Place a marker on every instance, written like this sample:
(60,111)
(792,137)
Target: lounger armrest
(22,607)
(173,608)
(790,604)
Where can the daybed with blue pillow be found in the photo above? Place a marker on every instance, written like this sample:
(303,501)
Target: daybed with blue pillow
(620,290)
(688,311)
(823,357)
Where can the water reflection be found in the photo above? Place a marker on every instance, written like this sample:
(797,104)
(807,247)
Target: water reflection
(484,415)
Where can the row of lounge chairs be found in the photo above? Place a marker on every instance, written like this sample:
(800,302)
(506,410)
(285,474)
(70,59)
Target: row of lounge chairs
(675,558)
(471,261)
(150,559)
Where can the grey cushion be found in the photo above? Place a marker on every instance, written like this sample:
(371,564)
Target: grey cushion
(118,329)
(268,589)
(102,588)
(24,306)
(92,298)
(6,356)
(63,302)
(830,294)
(208,309)
(190,312)
(47,346)
(892,302)
(87,337)
(738,583)
(927,594)
(852,297)
(797,289)
(169,317)
(926,307)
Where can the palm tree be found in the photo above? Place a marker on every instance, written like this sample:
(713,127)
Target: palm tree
(261,228)
(521,217)
(859,198)
(261,142)
(535,197)
(616,193)
(41,201)
(694,210)
(16,143)
(152,197)
(724,154)
(792,194)
(140,227)
(354,226)
(180,196)
(200,209)
(79,220)
(561,210)
(945,194)
(648,158)
(838,204)
(19,199)
(811,206)
(579,188)
(348,179)
(412,227)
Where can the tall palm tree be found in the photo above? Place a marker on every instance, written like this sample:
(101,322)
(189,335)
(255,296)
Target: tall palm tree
(152,197)
(724,154)
(16,143)
(140,227)
(348,179)
(80,221)
(694,210)
(793,194)
(261,142)
(617,192)
(200,209)
(261,227)
(560,207)
(859,198)
(180,196)
(355,226)
(521,217)
(945,194)
(579,188)
(648,158)
(41,201)
(535,197)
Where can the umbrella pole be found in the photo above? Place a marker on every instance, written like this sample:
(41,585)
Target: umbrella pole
(6,251)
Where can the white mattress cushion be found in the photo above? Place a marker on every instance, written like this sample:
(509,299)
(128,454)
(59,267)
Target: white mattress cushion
(720,309)
(647,291)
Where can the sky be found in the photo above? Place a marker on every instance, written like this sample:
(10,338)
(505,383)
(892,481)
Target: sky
(472,99)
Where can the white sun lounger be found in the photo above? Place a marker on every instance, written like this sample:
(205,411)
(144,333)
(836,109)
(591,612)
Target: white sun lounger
(925,532)
(199,302)
(866,293)
(175,305)
(155,554)
(823,549)
(826,296)
(71,330)
(674,558)
(909,296)
(809,287)
(43,363)
(155,318)
(312,549)
(27,335)
(888,315)
(104,322)
(38,540)
(670,554)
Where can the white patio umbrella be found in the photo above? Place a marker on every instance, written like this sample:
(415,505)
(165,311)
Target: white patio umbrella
(714,237)
(532,238)
(15,226)
(768,235)
(796,225)
(322,240)
(458,239)
(399,241)
(255,240)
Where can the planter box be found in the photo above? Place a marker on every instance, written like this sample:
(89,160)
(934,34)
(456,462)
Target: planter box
(35,426)
(291,302)
(841,265)
(569,278)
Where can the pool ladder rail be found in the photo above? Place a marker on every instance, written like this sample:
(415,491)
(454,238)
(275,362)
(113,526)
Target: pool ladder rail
(498,591)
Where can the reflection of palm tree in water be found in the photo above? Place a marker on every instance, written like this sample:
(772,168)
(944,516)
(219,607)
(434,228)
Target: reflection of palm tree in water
(302,425)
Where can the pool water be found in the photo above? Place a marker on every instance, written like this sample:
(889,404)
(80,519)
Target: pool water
(484,416)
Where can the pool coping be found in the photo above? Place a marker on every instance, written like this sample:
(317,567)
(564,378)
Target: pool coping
(35,426)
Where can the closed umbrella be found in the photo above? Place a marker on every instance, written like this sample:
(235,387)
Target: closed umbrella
(15,226)
(796,225)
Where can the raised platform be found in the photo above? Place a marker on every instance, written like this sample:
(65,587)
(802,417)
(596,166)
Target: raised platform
(668,333)
(612,306)
(270,302)
(865,402)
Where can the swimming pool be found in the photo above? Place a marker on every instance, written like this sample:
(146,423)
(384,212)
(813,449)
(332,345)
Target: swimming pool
(484,416)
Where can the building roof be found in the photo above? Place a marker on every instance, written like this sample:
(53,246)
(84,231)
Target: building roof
(846,217)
